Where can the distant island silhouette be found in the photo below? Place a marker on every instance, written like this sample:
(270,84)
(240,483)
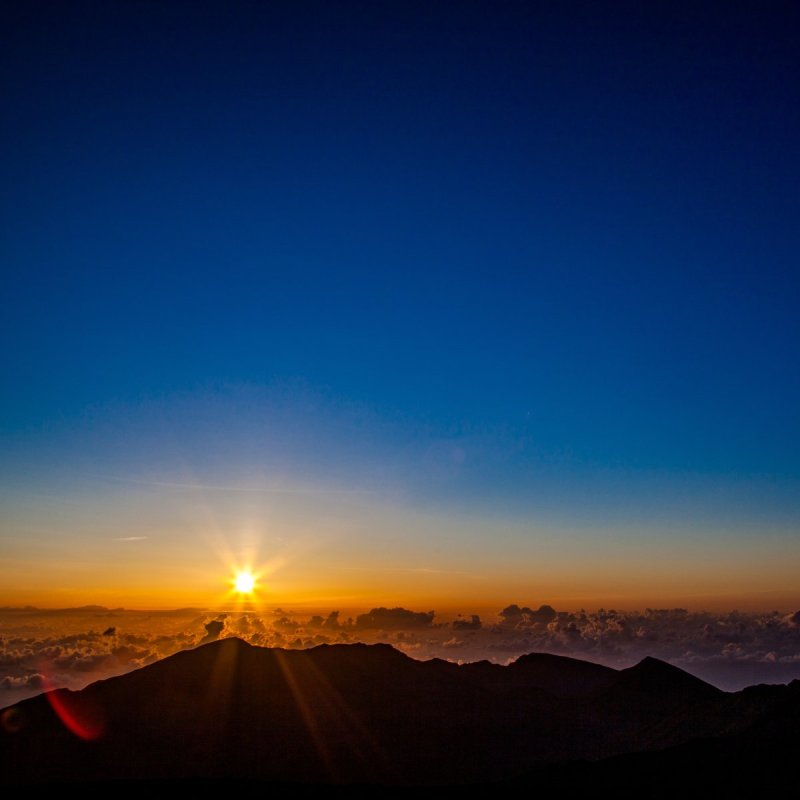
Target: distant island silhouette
(356,714)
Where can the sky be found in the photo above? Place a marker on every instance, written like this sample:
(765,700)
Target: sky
(430,304)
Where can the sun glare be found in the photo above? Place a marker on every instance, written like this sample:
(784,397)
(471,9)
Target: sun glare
(244,583)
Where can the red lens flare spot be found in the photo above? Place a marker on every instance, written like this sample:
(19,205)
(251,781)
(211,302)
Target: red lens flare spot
(78,715)
(11,720)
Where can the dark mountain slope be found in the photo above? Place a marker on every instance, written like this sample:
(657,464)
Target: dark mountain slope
(759,759)
(560,675)
(654,678)
(358,714)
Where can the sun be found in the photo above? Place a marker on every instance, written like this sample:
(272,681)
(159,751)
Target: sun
(245,585)
(244,582)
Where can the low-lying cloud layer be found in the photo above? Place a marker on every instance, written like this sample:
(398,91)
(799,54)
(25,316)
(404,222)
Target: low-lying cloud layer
(45,649)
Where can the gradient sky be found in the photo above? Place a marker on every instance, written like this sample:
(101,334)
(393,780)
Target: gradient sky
(404,302)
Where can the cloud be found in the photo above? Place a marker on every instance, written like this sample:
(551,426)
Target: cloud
(515,615)
(332,621)
(213,630)
(211,487)
(285,624)
(472,624)
(394,618)
(34,643)
(32,681)
(731,650)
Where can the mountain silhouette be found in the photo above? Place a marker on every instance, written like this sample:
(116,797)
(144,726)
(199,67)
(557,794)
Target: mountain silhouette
(654,677)
(560,675)
(368,714)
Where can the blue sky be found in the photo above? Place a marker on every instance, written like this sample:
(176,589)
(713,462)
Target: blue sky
(495,259)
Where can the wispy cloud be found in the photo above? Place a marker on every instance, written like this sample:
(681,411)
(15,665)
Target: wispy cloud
(425,570)
(130,538)
(220,488)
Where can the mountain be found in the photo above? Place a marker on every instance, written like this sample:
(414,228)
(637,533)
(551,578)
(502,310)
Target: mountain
(755,757)
(652,677)
(369,714)
(560,675)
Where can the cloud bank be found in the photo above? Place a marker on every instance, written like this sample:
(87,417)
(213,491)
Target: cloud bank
(44,649)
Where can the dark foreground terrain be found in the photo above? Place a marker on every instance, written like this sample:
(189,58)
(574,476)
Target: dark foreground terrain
(248,717)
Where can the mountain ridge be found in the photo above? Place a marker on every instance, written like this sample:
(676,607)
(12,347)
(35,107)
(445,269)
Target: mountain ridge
(366,714)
